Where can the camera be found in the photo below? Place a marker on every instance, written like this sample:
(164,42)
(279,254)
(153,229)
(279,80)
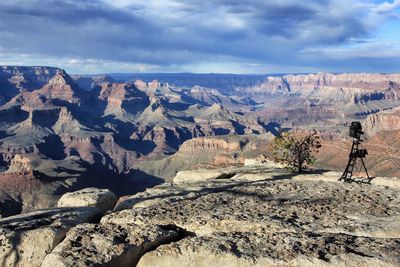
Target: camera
(356,130)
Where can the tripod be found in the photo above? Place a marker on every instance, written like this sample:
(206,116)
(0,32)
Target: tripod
(355,154)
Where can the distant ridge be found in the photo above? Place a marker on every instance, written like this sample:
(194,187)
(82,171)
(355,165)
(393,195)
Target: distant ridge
(224,82)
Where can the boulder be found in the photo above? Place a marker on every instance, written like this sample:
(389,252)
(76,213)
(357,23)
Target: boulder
(26,239)
(202,175)
(103,199)
(108,245)
(250,173)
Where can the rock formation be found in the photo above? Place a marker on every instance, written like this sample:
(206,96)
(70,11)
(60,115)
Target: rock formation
(351,85)
(108,245)
(62,87)
(14,79)
(323,97)
(267,223)
(382,121)
(102,199)
(90,83)
(26,239)
(53,127)
(256,216)
(210,152)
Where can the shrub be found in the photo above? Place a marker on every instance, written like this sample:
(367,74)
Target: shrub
(296,150)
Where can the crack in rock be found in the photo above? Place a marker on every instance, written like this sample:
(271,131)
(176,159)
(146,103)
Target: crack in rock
(111,244)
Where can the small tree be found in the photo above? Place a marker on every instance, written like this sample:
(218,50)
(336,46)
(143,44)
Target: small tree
(296,150)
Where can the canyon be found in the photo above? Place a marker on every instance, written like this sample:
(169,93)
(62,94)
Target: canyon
(61,132)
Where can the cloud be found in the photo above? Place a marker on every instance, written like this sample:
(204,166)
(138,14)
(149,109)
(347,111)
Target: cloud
(180,35)
(386,7)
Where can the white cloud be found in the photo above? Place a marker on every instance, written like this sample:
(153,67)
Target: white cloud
(176,35)
(386,6)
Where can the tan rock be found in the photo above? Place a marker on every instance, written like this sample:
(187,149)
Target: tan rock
(257,217)
(201,175)
(150,197)
(108,245)
(388,120)
(325,83)
(263,161)
(26,239)
(250,172)
(103,199)
(268,249)
(20,163)
(213,144)
(166,193)
(393,182)
(285,220)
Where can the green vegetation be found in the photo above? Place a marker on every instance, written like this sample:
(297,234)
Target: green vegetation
(296,150)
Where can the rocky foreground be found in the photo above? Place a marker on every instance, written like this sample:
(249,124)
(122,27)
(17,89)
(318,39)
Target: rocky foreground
(248,216)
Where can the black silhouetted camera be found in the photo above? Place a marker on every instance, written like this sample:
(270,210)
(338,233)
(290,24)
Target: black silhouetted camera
(356,130)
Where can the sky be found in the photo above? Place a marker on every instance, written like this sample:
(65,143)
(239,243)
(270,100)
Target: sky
(202,36)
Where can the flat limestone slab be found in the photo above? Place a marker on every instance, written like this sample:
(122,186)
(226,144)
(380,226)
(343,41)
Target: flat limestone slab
(271,249)
(103,199)
(26,239)
(108,245)
(290,220)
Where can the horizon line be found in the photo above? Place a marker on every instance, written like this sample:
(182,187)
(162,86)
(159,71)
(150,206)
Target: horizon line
(201,73)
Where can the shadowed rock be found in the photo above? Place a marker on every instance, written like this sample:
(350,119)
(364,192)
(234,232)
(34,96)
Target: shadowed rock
(26,239)
(108,245)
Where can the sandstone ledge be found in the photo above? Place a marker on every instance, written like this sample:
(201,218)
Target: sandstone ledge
(103,199)
(26,239)
(276,220)
(257,217)
(108,245)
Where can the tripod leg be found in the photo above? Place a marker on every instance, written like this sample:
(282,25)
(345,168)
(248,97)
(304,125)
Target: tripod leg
(343,175)
(348,172)
(365,168)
